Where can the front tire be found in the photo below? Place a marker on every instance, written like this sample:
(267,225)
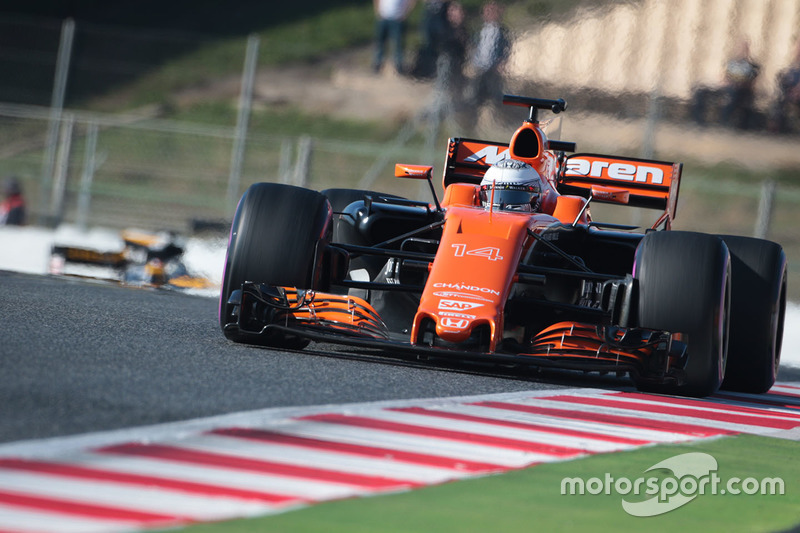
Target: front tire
(684,283)
(277,237)
(758,309)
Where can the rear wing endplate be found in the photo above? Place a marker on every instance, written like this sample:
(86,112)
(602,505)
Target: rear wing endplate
(651,184)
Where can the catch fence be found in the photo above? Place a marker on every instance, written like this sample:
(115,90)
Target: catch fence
(132,170)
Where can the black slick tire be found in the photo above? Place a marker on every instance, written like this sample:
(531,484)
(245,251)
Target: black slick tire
(684,282)
(276,238)
(758,309)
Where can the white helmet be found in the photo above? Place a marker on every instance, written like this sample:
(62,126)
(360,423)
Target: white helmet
(517,186)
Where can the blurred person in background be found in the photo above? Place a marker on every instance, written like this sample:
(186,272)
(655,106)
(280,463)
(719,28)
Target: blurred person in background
(450,64)
(391,18)
(454,46)
(12,209)
(489,55)
(740,78)
(788,101)
(433,32)
(729,103)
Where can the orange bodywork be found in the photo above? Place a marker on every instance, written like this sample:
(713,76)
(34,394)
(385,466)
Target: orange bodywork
(469,281)
(462,194)
(568,208)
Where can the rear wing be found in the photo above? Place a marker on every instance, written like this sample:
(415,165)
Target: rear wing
(651,184)
(468,159)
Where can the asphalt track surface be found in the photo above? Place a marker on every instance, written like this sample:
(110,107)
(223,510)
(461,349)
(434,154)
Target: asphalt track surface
(79,356)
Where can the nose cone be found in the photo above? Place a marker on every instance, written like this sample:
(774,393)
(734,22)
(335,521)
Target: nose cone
(459,330)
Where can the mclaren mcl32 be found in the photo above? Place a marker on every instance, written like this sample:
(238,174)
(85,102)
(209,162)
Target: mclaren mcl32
(545,285)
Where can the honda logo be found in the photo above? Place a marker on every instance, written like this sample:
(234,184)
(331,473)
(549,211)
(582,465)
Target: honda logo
(455,323)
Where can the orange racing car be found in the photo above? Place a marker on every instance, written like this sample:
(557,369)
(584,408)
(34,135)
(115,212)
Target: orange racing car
(509,267)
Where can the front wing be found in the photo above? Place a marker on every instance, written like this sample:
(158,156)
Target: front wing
(267,313)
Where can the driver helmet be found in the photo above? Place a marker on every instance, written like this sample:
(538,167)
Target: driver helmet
(517,186)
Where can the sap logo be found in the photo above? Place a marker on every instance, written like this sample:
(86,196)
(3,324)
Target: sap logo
(489,154)
(615,171)
(455,323)
(454,305)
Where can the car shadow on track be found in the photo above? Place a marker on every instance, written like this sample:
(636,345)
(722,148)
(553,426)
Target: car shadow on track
(539,376)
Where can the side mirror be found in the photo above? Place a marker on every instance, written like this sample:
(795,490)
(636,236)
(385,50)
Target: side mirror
(419,172)
(610,194)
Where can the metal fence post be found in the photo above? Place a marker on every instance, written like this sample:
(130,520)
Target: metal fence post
(245,102)
(87,177)
(302,170)
(56,108)
(61,170)
(765,209)
(285,162)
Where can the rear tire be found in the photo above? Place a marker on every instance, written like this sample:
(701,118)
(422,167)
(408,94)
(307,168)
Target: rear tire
(758,308)
(684,287)
(277,236)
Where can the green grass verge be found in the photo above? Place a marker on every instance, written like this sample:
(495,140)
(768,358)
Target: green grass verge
(289,121)
(531,500)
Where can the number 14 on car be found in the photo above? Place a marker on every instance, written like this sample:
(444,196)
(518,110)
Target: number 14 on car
(489,252)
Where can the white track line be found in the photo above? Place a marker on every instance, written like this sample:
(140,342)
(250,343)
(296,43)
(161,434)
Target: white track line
(117,495)
(330,460)
(21,520)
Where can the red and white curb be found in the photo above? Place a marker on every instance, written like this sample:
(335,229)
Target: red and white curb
(268,461)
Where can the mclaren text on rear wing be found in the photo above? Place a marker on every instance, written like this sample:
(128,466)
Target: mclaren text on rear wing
(652,184)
